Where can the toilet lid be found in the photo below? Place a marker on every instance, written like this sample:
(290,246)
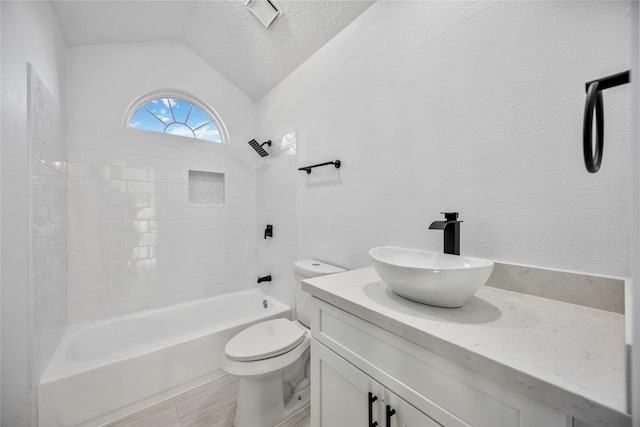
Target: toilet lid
(264,340)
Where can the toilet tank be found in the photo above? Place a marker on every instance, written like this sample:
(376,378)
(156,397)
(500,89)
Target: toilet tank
(306,269)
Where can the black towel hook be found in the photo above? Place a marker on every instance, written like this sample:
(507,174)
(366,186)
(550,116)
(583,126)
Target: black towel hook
(593,157)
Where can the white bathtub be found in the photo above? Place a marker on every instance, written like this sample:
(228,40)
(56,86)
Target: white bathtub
(106,369)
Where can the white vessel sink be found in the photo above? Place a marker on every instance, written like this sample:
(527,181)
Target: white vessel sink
(431,278)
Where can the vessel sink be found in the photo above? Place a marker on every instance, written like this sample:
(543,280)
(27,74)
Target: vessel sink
(431,278)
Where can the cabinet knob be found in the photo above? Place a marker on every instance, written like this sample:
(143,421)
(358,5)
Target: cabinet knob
(372,399)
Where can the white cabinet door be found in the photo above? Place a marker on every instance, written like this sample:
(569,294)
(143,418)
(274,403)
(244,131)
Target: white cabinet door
(341,394)
(399,413)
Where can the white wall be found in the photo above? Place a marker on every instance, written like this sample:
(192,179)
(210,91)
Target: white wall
(635,261)
(104,80)
(473,107)
(29,35)
(1,240)
(135,242)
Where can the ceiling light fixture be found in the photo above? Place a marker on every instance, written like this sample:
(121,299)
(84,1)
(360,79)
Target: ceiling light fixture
(265,11)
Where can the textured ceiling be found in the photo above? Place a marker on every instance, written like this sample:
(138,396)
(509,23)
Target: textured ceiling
(223,33)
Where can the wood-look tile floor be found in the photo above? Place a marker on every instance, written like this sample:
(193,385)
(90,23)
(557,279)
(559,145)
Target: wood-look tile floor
(210,405)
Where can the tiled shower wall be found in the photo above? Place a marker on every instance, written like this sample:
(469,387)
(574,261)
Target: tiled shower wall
(49,223)
(277,180)
(135,241)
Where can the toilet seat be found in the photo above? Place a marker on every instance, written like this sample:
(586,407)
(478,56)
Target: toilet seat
(265,340)
(266,367)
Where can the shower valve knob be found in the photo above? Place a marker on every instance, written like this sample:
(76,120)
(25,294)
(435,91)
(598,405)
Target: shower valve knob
(268,232)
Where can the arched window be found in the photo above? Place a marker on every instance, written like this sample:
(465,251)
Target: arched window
(177,114)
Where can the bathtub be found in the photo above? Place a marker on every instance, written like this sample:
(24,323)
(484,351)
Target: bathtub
(106,369)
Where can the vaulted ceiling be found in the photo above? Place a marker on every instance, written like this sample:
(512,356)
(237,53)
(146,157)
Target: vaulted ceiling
(223,33)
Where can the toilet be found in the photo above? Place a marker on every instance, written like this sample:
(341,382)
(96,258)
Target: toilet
(272,359)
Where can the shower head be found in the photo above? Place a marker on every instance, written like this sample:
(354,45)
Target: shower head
(258,147)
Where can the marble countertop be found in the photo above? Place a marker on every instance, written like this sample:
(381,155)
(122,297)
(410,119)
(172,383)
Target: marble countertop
(567,356)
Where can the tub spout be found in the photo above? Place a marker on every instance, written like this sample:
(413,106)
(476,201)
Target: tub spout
(264,279)
(451,227)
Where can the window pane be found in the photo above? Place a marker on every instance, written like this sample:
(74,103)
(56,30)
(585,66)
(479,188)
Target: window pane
(180,109)
(143,120)
(179,129)
(197,118)
(209,132)
(160,108)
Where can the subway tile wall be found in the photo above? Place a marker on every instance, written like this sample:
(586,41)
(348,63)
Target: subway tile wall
(135,241)
(49,222)
(277,185)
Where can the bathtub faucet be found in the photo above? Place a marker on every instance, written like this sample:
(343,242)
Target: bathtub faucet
(451,227)
(264,279)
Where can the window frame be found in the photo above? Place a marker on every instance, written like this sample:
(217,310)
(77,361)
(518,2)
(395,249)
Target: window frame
(141,101)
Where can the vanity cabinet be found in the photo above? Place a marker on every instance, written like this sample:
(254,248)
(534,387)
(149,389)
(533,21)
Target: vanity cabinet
(351,398)
(363,374)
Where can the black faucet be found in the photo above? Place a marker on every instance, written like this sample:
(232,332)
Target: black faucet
(264,279)
(451,227)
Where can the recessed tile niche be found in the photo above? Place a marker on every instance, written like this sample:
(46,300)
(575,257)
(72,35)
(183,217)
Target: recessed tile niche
(206,187)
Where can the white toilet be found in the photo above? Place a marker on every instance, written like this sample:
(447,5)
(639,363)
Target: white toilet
(272,359)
